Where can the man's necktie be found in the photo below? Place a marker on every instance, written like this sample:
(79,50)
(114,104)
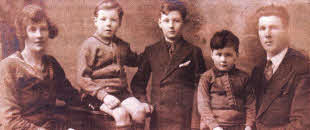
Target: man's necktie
(268,70)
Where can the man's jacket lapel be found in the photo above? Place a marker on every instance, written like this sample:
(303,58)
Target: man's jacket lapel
(276,85)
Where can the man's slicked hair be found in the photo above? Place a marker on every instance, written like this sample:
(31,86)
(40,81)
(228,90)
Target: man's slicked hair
(273,10)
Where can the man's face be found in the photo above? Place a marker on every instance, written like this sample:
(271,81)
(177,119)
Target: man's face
(171,24)
(37,36)
(107,23)
(273,34)
(224,59)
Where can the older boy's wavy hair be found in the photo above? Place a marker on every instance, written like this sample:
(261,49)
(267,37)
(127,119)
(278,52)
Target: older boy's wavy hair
(109,5)
(33,14)
(173,5)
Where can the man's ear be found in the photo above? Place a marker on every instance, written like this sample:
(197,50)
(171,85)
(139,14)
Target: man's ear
(95,20)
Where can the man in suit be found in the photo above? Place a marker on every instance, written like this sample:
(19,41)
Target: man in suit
(175,66)
(283,80)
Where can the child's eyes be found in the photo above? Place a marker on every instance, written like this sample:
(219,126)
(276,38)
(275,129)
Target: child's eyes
(33,29)
(103,19)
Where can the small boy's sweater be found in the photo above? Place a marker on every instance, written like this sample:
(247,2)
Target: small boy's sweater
(225,98)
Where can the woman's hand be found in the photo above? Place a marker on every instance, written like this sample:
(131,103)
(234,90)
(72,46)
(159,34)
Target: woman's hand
(111,101)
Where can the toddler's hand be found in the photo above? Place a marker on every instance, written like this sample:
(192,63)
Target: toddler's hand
(218,128)
(248,128)
(111,101)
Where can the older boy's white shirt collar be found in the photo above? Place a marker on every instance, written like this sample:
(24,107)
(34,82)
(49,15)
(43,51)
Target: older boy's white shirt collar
(277,59)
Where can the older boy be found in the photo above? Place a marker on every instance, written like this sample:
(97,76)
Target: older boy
(101,70)
(175,66)
(225,101)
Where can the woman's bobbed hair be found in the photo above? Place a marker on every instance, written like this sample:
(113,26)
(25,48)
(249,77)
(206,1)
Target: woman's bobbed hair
(32,14)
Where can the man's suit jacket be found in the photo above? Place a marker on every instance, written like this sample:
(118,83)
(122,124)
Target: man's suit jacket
(173,79)
(283,102)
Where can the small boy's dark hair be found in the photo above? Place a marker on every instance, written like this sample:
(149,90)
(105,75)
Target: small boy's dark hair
(173,5)
(107,5)
(224,39)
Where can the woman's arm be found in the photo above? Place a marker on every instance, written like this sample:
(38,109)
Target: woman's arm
(10,109)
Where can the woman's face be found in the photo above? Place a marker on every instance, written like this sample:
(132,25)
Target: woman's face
(37,36)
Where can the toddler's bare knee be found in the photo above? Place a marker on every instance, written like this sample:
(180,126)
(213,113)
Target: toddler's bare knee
(121,117)
(139,115)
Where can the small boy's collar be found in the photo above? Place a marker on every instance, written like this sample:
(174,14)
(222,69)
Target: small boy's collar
(219,73)
(102,40)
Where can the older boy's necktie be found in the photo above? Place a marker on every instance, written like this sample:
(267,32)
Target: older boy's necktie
(171,49)
(268,70)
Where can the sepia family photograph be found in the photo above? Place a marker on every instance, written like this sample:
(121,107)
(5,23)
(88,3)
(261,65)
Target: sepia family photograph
(154,65)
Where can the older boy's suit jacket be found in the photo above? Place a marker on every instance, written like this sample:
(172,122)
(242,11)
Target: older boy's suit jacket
(283,102)
(173,80)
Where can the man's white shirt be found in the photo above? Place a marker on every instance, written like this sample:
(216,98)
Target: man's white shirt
(277,59)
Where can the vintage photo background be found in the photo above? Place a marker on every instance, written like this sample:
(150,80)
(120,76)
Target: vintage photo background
(74,19)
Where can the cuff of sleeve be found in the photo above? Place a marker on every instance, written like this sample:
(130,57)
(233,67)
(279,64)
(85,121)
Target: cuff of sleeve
(101,94)
(249,124)
(211,124)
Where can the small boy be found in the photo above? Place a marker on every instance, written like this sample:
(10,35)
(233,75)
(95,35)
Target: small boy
(101,71)
(225,101)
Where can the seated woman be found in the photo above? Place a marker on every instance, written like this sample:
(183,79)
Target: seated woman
(31,81)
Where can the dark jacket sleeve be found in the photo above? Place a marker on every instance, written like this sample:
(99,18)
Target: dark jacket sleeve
(250,102)
(300,107)
(10,109)
(64,90)
(141,78)
(132,59)
(200,63)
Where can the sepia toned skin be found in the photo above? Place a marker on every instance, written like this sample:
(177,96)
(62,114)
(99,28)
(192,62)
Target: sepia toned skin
(171,25)
(273,34)
(107,23)
(37,37)
(224,59)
